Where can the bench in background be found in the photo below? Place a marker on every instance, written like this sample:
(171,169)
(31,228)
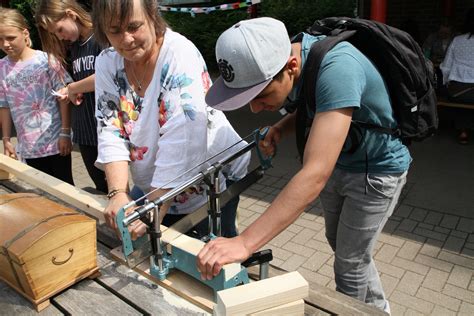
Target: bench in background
(444,102)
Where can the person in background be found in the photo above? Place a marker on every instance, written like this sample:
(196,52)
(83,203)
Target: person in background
(66,33)
(151,112)
(41,121)
(358,190)
(436,44)
(458,76)
(435,47)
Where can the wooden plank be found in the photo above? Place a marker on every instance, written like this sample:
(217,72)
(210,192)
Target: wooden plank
(12,303)
(290,309)
(87,202)
(135,288)
(261,295)
(326,299)
(177,282)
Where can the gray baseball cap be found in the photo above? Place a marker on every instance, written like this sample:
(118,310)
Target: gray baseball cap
(249,54)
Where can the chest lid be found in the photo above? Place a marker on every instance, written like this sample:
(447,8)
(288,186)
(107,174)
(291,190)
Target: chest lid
(31,225)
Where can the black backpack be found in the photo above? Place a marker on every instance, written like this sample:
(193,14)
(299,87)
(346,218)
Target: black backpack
(400,61)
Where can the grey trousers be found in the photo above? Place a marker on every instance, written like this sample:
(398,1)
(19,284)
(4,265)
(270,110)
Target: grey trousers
(356,208)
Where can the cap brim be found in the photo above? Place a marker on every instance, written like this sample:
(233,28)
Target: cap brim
(224,98)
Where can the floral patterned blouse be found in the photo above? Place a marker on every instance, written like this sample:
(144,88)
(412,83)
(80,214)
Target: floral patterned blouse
(169,130)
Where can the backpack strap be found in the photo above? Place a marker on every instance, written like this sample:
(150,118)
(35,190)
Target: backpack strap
(313,63)
(309,75)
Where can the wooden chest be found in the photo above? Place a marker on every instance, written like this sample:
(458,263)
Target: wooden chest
(45,247)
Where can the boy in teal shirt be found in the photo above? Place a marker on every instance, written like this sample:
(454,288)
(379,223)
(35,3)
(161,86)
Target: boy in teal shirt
(358,190)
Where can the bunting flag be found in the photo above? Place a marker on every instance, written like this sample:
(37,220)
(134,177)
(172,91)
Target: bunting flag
(222,7)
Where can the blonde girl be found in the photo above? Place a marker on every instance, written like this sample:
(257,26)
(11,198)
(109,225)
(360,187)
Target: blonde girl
(65,29)
(25,97)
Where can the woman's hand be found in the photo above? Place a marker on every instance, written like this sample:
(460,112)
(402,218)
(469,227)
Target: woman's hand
(137,229)
(115,203)
(119,200)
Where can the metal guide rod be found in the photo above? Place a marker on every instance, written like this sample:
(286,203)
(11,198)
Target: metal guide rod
(134,203)
(143,210)
(158,254)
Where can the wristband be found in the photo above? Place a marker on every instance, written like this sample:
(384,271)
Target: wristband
(64,135)
(114,192)
(6,137)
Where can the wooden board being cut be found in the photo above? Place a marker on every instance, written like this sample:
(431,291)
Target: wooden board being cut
(326,299)
(89,203)
(264,294)
(177,282)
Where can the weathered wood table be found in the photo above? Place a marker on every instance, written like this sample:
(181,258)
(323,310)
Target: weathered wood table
(120,290)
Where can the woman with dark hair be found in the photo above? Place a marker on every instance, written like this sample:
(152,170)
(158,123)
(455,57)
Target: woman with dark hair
(151,112)
(458,75)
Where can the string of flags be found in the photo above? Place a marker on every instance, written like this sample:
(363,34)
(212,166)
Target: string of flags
(222,7)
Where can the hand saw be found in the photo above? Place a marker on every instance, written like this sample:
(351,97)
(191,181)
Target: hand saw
(137,251)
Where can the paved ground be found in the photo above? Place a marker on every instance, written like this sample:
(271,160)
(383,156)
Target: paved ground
(426,253)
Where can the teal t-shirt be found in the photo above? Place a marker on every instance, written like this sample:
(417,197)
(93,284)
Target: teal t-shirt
(348,79)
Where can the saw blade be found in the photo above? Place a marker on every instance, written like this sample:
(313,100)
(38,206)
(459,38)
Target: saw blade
(188,222)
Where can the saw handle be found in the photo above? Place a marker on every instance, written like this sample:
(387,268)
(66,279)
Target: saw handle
(265,161)
(258,257)
(261,258)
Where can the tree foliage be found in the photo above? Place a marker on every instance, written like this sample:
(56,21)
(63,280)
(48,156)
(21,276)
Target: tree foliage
(204,29)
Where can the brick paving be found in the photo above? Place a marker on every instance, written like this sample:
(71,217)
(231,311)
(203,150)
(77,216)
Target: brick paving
(425,258)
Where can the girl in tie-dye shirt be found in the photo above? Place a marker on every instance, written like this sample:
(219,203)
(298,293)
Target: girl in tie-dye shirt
(26,81)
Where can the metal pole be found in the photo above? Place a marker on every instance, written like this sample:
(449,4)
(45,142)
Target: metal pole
(378,10)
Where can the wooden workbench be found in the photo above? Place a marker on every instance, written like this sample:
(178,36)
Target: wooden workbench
(121,290)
